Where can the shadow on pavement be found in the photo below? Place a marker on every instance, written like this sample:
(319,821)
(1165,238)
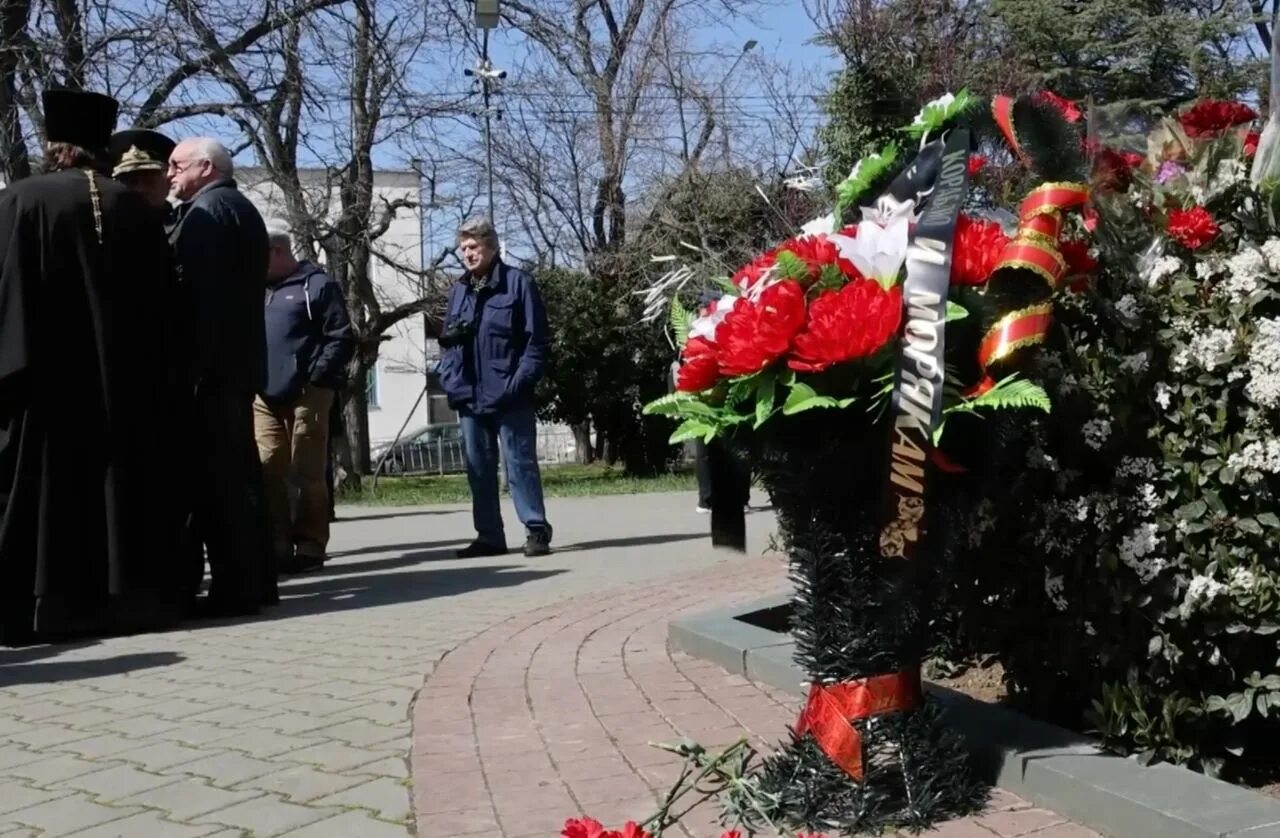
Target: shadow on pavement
(398,548)
(409,512)
(38,650)
(375,565)
(303,596)
(632,541)
(51,672)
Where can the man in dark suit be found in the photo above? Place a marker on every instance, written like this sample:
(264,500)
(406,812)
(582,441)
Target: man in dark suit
(221,253)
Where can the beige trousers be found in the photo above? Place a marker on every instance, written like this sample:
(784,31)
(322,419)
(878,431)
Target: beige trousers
(293,442)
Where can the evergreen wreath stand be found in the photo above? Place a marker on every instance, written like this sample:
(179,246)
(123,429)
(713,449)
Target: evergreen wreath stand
(833,363)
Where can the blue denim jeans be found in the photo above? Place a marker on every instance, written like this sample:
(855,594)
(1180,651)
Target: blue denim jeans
(516,431)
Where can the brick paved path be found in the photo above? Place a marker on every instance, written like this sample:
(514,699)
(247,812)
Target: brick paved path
(298,724)
(549,714)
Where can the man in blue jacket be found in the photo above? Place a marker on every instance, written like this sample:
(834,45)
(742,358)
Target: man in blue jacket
(309,344)
(494,346)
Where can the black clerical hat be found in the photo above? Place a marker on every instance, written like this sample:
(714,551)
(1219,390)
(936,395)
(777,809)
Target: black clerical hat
(79,117)
(139,150)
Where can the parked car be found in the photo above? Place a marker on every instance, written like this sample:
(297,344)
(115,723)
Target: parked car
(433,450)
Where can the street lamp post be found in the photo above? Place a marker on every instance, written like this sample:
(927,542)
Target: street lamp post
(724,97)
(486,18)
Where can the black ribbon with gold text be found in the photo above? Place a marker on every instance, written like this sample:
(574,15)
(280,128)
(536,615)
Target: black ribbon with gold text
(916,407)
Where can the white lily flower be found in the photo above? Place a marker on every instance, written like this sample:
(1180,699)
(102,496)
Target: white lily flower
(880,247)
(825,224)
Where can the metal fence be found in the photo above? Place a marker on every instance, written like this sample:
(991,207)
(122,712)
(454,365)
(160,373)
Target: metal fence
(444,454)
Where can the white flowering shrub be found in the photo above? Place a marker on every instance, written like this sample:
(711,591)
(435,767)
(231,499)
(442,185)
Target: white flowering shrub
(1131,583)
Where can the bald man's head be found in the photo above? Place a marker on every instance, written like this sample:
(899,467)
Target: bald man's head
(195,163)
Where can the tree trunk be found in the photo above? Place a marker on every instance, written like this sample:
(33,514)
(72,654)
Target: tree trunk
(349,479)
(15,164)
(583,452)
(356,416)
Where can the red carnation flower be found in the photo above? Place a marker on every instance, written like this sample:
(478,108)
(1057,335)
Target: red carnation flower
(582,828)
(755,334)
(978,245)
(1081,266)
(751,272)
(847,324)
(1211,117)
(1251,143)
(629,830)
(701,369)
(816,251)
(1066,107)
(1193,228)
(976,163)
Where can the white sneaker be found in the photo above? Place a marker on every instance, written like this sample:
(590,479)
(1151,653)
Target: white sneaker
(703,510)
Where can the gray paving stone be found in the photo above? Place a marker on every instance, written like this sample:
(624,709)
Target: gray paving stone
(178,709)
(186,799)
(113,783)
(198,733)
(303,783)
(227,769)
(16,795)
(162,755)
(85,718)
(289,723)
(388,799)
(48,736)
(268,815)
(149,825)
(12,755)
(335,756)
(231,716)
(141,726)
(68,814)
(395,767)
(55,768)
(124,702)
(11,724)
(266,743)
(353,824)
(382,712)
(100,746)
(362,733)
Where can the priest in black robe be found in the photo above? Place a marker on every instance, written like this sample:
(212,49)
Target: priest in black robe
(78,254)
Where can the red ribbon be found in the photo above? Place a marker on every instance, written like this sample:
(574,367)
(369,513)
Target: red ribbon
(831,709)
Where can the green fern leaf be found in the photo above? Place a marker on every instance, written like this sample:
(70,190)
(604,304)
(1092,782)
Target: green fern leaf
(681,320)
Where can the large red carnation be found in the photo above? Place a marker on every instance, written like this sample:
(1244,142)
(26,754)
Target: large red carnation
(701,368)
(816,251)
(750,273)
(582,828)
(847,324)
(1211,117)
(977,248)
(1070,112)
(1193,228)
(755,334)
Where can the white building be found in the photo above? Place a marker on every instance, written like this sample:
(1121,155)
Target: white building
(397,380)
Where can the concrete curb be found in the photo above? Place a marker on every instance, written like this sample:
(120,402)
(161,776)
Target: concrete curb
(1054,767)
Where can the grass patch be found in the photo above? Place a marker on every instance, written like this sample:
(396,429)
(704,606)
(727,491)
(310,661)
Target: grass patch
(560,481)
